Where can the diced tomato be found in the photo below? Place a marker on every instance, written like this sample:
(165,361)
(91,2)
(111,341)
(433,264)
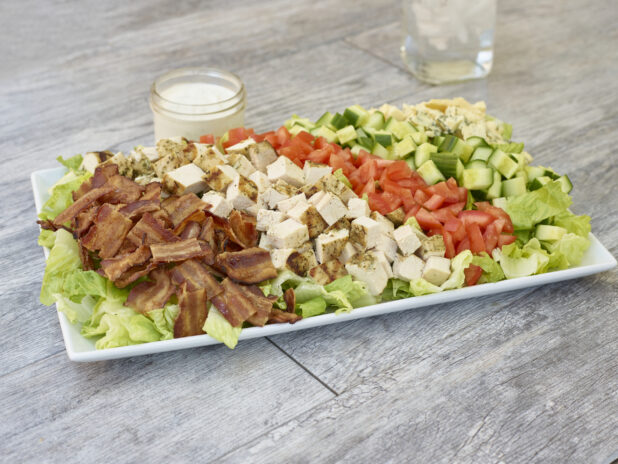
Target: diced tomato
(455,208)
(480,218)
(336,162)
(473,273)
(383,202)
(368,171)
(346,155)
(319,156)
(320,142)
(477,244)
(272,139)
(208,138)
(449,244)
(496,212)
(434,202)
(426,220)
(490,236)
(463,194)
(283,135)
(444,215)
(442,189)
(305,137)
(420,196)
(463,245)
(398,170)
(412,211)
(506,240)
(370,187)
(456,228)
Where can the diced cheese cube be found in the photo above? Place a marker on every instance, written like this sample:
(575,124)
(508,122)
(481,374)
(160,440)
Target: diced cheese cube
(285,205)
(408,267)
(300,262)
(243,194)
(261,155)
(331,245)
(388,246)
(432,246)
(217,204)
(265,243)
(220,177)
(267,218)
(331,208)
(185,179)
(241,148)
(437,270)
(365,231)
(288,234)
(284,169)
(357,207)
(369,268)
(348,252)
(307,214)
(315,171)
(386,225)
(261,180)
(279,257)
(330,183)
(406,239)
(241,164)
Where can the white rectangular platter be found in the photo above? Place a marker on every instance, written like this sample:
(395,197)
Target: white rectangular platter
(597,259)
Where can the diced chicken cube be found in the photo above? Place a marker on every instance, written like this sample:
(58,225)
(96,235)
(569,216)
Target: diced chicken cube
(326,272)
(408,267)
(284,169)
(279,257)
(288,234)
(270,198)
(388,246)
(315,171)
(365,231)
(261,180)
(383,260)
(166,164)
(307,214)
(241,164)
(316,197)
(243,194)
(265,243)
(407,241)
(357,207)
(343,223)
(220,177)
(348,252)
(437,270)
(173,146)
(397,217)
(331,245)
(432,246)
(330,183)
(301,262)
(217,204)
(185,179)
(150,153)
(331,208)
(241,148)
(90,161)
(267,218)
(369,268)
(386,225)
(207,156)
(261,155)
(285,205)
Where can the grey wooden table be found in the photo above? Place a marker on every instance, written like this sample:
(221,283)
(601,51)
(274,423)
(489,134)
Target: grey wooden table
(528,376)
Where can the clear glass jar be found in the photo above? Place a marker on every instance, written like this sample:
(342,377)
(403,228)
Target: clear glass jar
(448,40)
(191,102)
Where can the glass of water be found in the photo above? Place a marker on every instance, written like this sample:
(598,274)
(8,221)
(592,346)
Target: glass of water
(448,40)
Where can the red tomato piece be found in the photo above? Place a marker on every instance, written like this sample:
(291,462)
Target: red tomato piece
(319,156)
(434,202)
(463,245)
(449,244)
(473,273)
(320,142)
(426,220)
(283,135)
(480,218)
(456,229)
(463,194)
(442,189)
(336,162)
(305,137)
(370,187)
(412,211)
(442,214)
(477,244)
(272,139)
(490,236)
(368,171)
(398,170)
(496,212)
(208,138)
(420,196)
(455,208)
(378,203)
(506,240)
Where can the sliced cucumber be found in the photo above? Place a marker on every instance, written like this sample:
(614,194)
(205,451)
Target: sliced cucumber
(475,164)
(449,164)
(513,187)
(503,163)
(410,162)
(401,129)
(478,179)
(437,140)
(338,121)
(383,137)
(499,202)
(553,175)
(482,153)
(496,188)
(323,131)
(430,173)
(346,134)
(549,233)
(356,148)
(325,119)
(356,114)
(419,137)
(458,146)
(296,120)
(375,120)
(366,142)
(534,172)
(380,151)
(565,183)
(539,182)
(476,141)
(423,153)
(404,148)
(297,128)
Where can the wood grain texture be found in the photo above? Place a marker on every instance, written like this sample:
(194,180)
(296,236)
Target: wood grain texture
(528,376)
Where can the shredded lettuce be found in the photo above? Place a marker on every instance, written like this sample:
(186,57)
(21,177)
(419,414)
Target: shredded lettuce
(492,272)
(517,261)
(568,251)
(312,307)
(459,264)
(75,311)
(78,284)
(61,194)
(419,287)
(63,259)
(46,238)
(220,329)
(530,208)
(164,319)
(579,225)
(73,163)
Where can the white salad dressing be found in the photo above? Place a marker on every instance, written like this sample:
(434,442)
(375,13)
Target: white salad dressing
(192,102)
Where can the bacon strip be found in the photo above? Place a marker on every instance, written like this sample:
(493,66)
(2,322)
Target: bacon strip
(196,276)
(102,173)
(152,191)
(233,303)
(139,207)
(183,207)
(84,220)
(244,229)
(248,266)
(193,312)
(84,256)
(109,231)
(80,205)
(124,190)
(115,267)
(132,274)
(148,231)
(290,300)
(262,304)
(147,296)
(278,316)
(176,251)
(192,230)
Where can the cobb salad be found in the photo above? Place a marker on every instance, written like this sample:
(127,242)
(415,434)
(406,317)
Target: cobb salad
(358,207)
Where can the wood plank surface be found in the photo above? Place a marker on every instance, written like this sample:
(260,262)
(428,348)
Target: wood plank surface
(528,376)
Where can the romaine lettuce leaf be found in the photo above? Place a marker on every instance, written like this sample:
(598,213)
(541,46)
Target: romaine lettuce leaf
(78,284)
(60,196)
(164,320)
(47,238)
(492,272)
(419,287)
(568,251)
(579,225)
(530,208)
(219,328)
(396,289)
(63,259)
(459,264)
(312,307)
(73,163)
(523,261)
(75,312)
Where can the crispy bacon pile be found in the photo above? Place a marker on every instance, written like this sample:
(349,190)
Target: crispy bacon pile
(125,232)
